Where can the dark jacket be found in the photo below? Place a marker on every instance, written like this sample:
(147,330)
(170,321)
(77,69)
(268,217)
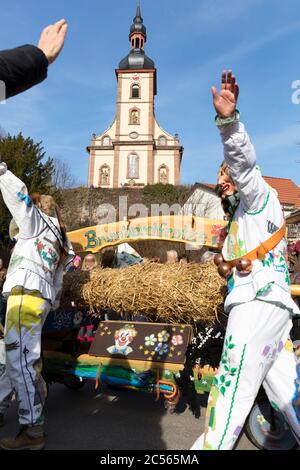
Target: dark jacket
(21,68)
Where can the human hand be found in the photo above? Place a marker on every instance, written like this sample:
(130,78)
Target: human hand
(225,102)
(52,40)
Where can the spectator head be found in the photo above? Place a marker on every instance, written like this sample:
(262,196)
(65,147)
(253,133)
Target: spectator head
(108,258)
(207,257)
(77,261)
(89,262)
(172,257)
(183,259)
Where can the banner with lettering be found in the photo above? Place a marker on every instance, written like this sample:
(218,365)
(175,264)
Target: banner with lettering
(191,230)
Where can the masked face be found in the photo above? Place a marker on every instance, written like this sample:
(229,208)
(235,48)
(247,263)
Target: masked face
(226,185)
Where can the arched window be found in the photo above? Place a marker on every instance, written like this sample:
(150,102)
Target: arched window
(134,116)
(104,177)
(106,140)
(133,166)
(162,140)
(163,174)
(135,91)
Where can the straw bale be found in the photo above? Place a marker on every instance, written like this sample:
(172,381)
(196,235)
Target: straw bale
(177,293)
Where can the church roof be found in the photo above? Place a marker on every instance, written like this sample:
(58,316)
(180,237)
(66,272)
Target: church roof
(138,26)
(137,59)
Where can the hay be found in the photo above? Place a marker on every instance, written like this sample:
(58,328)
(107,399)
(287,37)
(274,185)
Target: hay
(179,293)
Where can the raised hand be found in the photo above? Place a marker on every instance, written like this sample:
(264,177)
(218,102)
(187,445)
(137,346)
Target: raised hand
(225,102)
(52,40)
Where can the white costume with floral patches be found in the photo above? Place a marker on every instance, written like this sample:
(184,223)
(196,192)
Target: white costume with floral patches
(257,349)
(33,283)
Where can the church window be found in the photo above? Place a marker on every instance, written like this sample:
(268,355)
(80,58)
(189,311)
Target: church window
(104,175)
(163,174)
(162,140)
(133,166)
(135,91)
(134,116)
(106,140)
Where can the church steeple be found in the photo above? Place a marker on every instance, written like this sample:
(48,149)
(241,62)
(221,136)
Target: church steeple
(137,58)
(138,32)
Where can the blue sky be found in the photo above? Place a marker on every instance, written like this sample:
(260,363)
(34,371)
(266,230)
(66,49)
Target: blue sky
(191,42)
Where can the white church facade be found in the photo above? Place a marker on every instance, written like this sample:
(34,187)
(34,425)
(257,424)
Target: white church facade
(135,150)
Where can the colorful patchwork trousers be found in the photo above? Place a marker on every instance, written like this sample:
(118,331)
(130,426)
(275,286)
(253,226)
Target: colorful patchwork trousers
(25,316)
(257,351)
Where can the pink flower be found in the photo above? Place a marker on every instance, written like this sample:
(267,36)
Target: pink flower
(177,340)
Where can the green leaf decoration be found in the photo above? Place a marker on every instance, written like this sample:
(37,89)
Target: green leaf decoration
(231,346)
(223,390)
(215,381)
(222,379)
(233,370)
(228,383)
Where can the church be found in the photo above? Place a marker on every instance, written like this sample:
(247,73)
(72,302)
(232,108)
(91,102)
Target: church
(135,150)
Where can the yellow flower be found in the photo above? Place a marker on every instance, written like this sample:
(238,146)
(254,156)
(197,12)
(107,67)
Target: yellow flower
(289,346)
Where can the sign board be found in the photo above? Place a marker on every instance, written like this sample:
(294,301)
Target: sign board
(191,230)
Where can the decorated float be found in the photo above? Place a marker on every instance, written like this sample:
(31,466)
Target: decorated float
(150,327)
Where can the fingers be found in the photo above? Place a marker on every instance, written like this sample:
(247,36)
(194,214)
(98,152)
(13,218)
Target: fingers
(236,91)
(229,82)
(224,80)
(63,31)
(59,24)
(214,92)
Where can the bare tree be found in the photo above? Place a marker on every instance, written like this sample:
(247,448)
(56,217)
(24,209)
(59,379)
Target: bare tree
(2,133)
(62,177)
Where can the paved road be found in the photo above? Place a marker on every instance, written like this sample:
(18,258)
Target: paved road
(115,420)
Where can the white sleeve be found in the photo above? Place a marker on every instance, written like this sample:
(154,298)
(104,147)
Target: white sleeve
(240,157)
(19,204)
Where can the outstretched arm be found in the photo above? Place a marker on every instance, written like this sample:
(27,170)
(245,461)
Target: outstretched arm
(19,204)
(26,66)
(239,152)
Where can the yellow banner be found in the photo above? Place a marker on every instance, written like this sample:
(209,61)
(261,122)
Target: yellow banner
(195,231)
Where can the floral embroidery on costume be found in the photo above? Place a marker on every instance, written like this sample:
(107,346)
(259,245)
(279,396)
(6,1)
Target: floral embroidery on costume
(224,380)
(277,260)
(46,253)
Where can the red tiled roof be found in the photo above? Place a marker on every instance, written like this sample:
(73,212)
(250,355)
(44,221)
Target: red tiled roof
(288,191)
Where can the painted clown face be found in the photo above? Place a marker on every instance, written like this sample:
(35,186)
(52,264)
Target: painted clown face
(124,336)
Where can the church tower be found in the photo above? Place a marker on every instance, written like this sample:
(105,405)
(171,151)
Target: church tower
(135,150)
